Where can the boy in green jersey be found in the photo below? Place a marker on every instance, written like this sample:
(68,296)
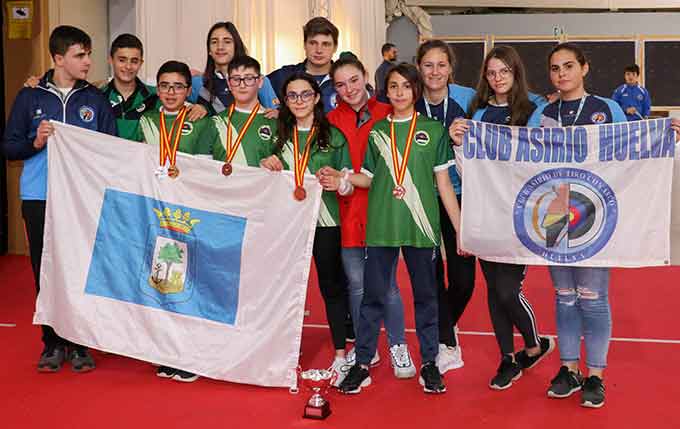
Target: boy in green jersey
(174,85)
(252,133)
(128,95)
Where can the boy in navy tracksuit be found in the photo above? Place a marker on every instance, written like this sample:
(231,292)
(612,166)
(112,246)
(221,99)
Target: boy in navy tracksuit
(633,98)
(321,42)
(62,95)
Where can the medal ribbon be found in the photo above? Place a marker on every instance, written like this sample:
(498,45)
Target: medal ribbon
(167,151)
(301,163)
(400,170)
(231,150)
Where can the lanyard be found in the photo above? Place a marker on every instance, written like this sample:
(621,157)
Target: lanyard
(578,112)
(446,107)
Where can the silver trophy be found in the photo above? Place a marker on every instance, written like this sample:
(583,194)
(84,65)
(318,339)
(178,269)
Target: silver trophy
(318,381)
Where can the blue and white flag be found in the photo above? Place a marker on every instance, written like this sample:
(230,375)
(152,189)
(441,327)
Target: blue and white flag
(597,195)
(202,272)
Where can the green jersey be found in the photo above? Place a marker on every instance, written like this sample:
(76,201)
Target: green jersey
(413,220)
(256,144)
(129,111)
(336,156)
(197,137)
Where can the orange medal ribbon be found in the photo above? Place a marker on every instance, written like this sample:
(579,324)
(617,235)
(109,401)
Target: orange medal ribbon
(301,162)
(168,151)
(400,170)
(231,149)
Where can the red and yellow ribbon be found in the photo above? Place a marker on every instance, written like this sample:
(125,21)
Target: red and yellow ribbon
(168,151)
(301,161)
(231,149)
(400,169)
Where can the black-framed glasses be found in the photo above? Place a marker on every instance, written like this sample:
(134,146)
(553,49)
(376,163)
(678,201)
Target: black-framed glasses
(305,96)
(247,80)
(171,87)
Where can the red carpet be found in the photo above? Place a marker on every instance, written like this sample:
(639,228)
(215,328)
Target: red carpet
(123,393)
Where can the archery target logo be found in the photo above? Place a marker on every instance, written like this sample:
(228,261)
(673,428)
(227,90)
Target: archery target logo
(565,214)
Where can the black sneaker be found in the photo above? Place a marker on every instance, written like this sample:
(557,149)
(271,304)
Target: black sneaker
(51,359)
(508,371)
(165,372)
(431,378)
(592,394)
(81,360)
(357,377)
(525,361)
(184,376)
(565,383)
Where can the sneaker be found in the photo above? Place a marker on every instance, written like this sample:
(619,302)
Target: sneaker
(357,377)
(526,361)
(401,361)
(352,356)
(165,372)
(592,393)
(508,371)
(431,378)
(51,359)
(341,368)
(81,360)
(449,358)
(565,383)
(184,376)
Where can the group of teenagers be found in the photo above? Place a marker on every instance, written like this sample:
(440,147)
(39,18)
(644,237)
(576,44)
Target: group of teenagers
(387,169)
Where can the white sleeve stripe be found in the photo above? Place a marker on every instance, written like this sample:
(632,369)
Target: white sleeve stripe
(444,166)
(366,172)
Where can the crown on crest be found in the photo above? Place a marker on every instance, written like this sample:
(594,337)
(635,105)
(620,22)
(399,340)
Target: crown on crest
(177,221)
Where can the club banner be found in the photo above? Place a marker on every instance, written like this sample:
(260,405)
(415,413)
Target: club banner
(201,272)
(597,195)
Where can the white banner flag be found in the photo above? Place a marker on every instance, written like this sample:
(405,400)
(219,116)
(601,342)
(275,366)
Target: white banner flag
(597,195)
(202,272)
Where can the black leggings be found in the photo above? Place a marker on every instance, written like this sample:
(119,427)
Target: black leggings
(508,306)
(460,272)
(332,281)
(33,212)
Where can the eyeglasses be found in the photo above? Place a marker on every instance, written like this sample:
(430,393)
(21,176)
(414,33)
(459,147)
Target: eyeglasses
(502,73)
(305,96)
(247,80)
(175,87)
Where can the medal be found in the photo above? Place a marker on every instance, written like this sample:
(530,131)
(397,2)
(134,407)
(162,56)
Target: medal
(398,192)
(226,168)
(168,152)
(299,193)
(173,171)
(301,162)
(232,149)
(400,168)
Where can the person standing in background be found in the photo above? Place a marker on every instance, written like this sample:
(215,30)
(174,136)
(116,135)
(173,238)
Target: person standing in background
(389,53)
(631,96)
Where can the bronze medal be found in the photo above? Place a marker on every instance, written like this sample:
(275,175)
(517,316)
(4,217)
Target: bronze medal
(227,169)
(300,193)
(173,171)
(398,192)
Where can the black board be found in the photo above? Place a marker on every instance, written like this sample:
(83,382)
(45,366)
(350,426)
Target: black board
(607,59)
(662,79)
(534,54)
(469,58)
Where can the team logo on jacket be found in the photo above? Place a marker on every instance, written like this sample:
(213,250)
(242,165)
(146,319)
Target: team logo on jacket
(86,114)
(265,132)
(187,128)
(565,215)
(598,118)
(422,138)
(141,108)
(640,97)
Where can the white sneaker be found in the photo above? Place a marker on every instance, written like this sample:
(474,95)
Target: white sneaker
(402,362)
(341,368)
(449,358)
(352,356)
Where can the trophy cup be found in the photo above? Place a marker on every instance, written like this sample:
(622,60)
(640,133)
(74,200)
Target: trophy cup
(318,381)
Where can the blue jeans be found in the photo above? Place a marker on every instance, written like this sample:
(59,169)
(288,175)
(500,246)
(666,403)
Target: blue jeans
(582,309)
(354,261)
(378,280)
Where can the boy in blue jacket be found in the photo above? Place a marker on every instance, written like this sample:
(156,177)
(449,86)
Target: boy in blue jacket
(62,95)
(633,98)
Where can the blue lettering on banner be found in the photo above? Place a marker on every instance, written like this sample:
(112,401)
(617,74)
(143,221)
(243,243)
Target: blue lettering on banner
(634,141)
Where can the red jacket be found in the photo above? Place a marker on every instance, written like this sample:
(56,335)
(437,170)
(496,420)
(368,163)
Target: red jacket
(353,208)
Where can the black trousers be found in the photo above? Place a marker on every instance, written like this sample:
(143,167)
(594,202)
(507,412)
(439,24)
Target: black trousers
(460,273)
(508,307)
(33,212)
(332,281)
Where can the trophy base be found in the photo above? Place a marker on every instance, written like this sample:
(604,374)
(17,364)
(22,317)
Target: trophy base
(318,413)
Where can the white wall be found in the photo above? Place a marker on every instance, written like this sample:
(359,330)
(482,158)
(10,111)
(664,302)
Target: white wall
(121,18)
